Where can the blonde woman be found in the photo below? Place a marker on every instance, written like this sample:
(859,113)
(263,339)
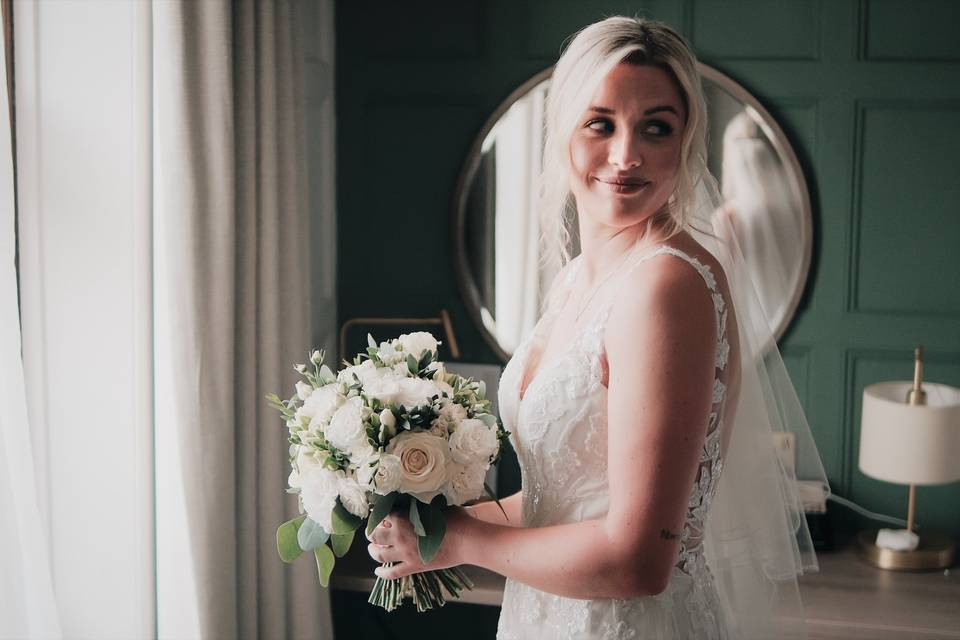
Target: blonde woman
(640,388)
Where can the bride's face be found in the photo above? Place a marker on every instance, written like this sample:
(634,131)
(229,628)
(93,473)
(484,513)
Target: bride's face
(625,150)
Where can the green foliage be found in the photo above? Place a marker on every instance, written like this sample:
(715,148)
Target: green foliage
(415,520)
(325,562)
(311,535)
(434,524)
(343,520)
(341,543)
(287,545)
(382,505)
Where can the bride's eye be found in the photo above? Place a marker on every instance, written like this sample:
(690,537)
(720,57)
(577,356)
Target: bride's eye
(658,129)
(600,125)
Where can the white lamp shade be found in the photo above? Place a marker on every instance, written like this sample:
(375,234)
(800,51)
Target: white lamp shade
(910,444)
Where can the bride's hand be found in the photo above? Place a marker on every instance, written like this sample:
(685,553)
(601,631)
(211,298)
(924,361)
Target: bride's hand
(394,540)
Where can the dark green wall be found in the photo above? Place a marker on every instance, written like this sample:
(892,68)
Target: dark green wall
(867,91)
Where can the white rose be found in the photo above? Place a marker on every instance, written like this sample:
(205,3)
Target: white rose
(320,488)
(452,414)
(401,370)
(415,391)
(303,464)
(388,425)
(388,352)
(362,370)
(465,483)
(320,406)
(423,463)
(417,342)
(384,388)
(473,442)
(439,428)
(387,477)
(347,431)
(303,390)
(353,497)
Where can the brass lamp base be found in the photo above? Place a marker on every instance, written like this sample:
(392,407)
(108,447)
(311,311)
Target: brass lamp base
(935,551)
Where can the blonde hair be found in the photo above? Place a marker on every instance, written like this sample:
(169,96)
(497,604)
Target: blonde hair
(592,53)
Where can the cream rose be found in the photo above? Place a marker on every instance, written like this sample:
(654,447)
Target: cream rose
(452,414)
(387,477)
(417,342)
(473,442)
(465,483)
(423,463)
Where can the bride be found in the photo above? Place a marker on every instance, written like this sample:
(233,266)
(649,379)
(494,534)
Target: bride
(641,406)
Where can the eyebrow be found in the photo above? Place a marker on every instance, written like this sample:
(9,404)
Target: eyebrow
(648,112)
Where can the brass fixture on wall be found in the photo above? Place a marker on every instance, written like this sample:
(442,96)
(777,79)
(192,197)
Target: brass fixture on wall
(443,319)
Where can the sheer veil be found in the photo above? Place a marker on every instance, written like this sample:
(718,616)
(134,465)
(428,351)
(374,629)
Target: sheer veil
(757,541)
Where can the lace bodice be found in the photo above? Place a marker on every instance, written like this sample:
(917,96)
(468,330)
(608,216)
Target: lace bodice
(559,431)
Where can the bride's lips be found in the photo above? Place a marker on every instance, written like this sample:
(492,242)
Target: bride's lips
(626,186)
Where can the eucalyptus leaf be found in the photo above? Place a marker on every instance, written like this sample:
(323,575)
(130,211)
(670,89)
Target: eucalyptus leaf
(418,513)
(326,373)
(382,505)
(483,389)
(325,562)
(341,543)
(412,364)
(311,535)
(343,520)
(436,526)
(488,419)
(371,342)
(287,545)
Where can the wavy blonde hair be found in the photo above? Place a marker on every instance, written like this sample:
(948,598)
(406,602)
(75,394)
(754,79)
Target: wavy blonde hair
(592,53)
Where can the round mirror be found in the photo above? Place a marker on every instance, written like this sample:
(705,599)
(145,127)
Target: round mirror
(496,227)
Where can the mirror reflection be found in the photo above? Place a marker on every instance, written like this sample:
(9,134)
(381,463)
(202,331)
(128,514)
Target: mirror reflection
(765,196)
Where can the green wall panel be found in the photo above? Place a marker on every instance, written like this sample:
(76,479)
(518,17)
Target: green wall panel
(909,208)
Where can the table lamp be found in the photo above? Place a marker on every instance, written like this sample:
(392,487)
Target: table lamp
(910,434)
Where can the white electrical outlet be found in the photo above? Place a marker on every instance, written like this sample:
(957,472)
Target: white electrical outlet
(785,444)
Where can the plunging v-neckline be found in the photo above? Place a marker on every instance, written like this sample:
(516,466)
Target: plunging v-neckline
(577,334)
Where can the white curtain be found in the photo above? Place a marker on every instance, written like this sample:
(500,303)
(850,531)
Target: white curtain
(232,269)
(168,246)
(27,605)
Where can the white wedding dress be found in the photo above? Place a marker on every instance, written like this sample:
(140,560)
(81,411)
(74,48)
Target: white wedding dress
(559,431)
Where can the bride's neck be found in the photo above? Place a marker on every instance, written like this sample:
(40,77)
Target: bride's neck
(601,248)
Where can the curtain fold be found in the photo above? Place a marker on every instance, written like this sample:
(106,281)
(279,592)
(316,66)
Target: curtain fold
(27,605)
(232,263)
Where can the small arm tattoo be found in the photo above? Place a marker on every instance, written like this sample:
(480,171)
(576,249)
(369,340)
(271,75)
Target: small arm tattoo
(668,535)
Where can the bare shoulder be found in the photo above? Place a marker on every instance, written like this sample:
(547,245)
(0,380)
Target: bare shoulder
(667,298)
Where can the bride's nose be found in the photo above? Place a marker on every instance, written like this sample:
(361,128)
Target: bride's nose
(624,151)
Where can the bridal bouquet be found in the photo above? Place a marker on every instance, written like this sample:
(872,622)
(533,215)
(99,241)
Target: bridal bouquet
(393,430)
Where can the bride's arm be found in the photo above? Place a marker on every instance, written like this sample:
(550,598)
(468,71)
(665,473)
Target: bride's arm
(488,511)
(660,343)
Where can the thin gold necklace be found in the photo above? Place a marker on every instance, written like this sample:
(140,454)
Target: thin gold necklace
(583,306)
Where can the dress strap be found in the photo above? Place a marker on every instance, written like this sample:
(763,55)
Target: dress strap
(719,305)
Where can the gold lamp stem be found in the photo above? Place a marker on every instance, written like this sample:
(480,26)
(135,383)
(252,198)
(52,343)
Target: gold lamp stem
(916,396)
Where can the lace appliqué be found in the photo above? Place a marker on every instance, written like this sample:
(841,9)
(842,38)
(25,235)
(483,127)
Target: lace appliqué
(559,430)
